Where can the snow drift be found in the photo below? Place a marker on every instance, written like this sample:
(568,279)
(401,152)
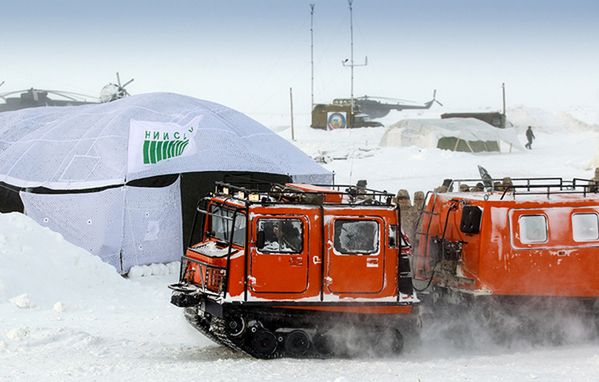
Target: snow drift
(577,120)
(38,267)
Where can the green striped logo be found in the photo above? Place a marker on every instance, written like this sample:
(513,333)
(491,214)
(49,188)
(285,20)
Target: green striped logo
(159,146)
(155,151)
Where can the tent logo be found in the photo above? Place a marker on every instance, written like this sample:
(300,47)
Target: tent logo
(163,145)
(153,142)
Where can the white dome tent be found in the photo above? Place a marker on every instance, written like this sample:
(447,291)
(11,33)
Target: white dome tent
(455,134)
(108,176)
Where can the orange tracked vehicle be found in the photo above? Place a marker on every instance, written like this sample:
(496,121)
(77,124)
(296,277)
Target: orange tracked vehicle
(304,271)
(515,241)
(298,270)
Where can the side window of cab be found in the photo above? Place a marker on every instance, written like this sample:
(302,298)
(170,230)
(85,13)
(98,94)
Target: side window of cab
(280,236)
(533,229)
(356,237)
(585,227)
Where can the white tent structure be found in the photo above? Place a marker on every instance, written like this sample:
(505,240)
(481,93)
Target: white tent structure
(108,176)
(456,134)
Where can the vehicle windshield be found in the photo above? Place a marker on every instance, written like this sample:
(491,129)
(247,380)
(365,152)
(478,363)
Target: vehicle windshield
(221,218)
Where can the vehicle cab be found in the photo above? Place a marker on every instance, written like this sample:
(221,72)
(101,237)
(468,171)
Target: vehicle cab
(296,249)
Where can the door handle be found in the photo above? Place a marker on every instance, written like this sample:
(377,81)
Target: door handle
(372,262)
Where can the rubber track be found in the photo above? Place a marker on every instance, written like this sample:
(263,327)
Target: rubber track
(191,315)
(217,332)
(214,330)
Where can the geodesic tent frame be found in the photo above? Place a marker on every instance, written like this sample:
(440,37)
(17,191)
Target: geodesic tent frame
(111,177)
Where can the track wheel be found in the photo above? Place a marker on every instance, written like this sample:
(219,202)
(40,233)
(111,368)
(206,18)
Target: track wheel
(322,344)
(235,326)
(297,343)
(397,342)
(263,342)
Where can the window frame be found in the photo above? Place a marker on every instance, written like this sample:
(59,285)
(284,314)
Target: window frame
(376,251)
(269,252)
(574,230)
(521,226)
(230,210)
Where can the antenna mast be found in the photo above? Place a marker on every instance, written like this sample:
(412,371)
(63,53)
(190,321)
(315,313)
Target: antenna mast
(503,94)
(312,49)
(351,57)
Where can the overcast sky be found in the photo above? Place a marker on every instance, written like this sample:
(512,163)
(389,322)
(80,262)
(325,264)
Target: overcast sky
(246,54)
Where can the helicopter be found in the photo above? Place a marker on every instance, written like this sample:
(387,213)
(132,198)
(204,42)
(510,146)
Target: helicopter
(32,97)
(379,107)
(340,114)
(112,92)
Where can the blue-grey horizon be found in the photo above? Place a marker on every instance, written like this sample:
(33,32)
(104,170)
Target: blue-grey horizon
(247,54)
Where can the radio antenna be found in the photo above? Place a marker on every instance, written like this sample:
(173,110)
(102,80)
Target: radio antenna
(312,50)
(350,62)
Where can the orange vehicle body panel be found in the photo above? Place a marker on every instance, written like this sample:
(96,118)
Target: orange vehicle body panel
(330,196)
(364,273)
(496,261)
(301,276)
(280,272)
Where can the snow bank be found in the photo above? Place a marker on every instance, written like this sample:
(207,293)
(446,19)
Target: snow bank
(588,115)
(543,120)
(38,267)
(154,270)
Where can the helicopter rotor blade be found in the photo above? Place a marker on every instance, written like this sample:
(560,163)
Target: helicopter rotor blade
(118,79)
(72,96)
(396,100)
(128,82)
(435,100)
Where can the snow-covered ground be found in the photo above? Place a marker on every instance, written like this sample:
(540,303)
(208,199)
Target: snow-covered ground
(565,146)
(66,316)
(356,155)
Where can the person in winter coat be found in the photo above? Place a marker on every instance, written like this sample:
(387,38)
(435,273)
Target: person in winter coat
(529,136)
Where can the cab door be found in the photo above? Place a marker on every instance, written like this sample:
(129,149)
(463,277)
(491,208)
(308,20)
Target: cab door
(355,254)
(279,254)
